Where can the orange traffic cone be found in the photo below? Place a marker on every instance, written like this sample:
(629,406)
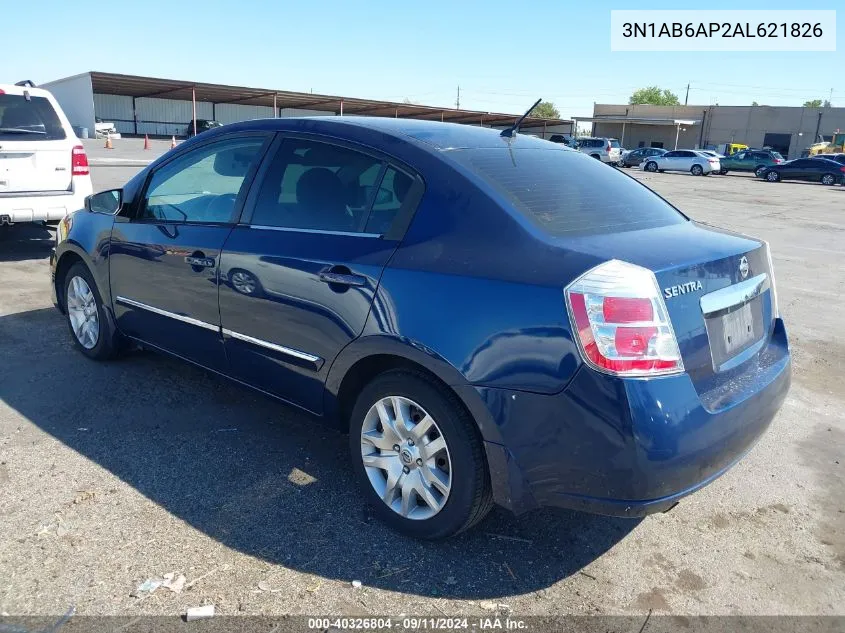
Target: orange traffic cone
(108,142)
(146,142)
(172,142)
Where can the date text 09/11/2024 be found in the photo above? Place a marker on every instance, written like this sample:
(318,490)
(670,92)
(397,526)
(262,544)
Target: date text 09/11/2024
(492,623)
(722,29)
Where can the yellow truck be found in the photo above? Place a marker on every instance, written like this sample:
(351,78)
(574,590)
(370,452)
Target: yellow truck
(835,146)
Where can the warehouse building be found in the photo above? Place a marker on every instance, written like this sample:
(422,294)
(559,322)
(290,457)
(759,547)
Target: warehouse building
(784,129)
(165,107)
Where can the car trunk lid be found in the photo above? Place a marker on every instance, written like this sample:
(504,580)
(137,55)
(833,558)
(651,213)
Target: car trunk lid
(717,287)
(30,166)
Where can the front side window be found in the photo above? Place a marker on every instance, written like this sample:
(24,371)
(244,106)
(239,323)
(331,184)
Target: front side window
(318,186)
(203,185)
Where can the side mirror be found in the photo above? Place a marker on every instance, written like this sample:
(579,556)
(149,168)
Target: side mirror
(106,202)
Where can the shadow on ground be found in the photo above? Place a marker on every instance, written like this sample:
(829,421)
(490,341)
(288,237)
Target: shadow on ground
(264,479)
(28,240)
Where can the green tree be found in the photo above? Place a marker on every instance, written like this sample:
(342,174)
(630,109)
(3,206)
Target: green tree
(654,96)
(754,103)
(815,103)
(545,110)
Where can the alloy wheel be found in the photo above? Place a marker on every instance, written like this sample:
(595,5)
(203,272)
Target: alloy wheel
(82,312)
(406,458)
(243,282)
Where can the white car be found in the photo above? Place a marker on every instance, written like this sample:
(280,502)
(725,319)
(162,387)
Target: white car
(607,150)
(695,162)
(44,172)
(102,129)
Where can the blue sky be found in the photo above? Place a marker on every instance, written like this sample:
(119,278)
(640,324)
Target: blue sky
(503,57)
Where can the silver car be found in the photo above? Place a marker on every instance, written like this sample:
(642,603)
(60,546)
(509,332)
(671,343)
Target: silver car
(695,162)
(607,150)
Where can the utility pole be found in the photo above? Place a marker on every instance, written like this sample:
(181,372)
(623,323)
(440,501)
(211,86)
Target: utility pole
(458,100)
(686,99)
(830,98)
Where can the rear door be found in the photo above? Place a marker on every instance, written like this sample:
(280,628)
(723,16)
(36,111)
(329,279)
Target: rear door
(165,250)
(299,273)
(35,152)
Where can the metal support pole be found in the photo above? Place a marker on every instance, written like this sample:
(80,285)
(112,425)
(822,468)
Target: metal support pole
(275,108)
(396,114)
(441,116)
(544,130)
(818,127)
(341,107)
(677,134)
(194,107)
(622,141)
(134,116)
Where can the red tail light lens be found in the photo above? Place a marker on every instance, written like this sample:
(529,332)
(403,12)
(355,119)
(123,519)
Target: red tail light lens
(79,162)
(842,169)
(608,147)
(621,321)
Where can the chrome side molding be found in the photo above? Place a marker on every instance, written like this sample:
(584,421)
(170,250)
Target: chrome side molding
(165,313)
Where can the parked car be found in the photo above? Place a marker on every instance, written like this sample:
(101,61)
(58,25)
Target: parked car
(816,169)
(839,158)
(636,156)
(695,162)
(203,125)
(44,171)
(566,139)
(102,129)
(755,160)
(522,327)
(607,150)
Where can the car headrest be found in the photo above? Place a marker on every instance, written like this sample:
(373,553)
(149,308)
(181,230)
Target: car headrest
(321,188)
(234,162)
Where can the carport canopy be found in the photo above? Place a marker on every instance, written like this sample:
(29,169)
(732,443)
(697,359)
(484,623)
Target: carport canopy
(635,120)
(135,86)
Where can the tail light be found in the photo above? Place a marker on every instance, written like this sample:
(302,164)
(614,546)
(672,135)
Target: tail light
(778,161)
(608,146)
(79,162)
(773,289)
(713,161)
(621,321)
(842,169)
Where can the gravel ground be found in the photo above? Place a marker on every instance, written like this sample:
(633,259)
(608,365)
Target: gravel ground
(114,473)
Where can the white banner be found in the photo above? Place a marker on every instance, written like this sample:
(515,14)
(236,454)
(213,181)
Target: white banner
(716,30)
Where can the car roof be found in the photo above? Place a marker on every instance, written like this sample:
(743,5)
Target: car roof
(441,136)
(11,89)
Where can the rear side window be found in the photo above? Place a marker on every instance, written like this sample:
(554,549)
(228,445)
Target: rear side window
(566,193)
(32,120)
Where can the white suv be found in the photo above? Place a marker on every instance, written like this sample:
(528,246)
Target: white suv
(607,150)
(44,172)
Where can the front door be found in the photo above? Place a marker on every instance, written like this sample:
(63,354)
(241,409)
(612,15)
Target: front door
(165,249)
(298,275)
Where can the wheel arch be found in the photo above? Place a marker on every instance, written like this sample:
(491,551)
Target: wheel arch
(63,264)
(367,357)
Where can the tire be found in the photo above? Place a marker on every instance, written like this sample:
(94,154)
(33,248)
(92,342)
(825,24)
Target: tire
(773,176)
(723,172)
(651,166)
(460,462)
(759,170)
(828,179)
(95,336)
(596,156)
(245,283)
(696,170)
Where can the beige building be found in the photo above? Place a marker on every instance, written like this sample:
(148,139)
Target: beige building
(787,130)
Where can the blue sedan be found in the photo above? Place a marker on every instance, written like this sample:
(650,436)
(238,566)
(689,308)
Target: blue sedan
(493,318)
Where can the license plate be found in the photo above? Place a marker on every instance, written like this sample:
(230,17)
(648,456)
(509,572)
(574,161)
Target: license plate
(738,329)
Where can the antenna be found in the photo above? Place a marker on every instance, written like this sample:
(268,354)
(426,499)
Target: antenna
(508,133)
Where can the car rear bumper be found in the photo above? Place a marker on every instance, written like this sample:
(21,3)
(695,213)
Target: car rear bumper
(630,447)
(52,206)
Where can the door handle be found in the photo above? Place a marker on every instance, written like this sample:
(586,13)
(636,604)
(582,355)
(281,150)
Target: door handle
(342,278)
(200,262)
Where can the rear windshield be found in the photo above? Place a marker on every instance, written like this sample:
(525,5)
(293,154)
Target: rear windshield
(614,142)
(33,120)
(777,155)
(566,193)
